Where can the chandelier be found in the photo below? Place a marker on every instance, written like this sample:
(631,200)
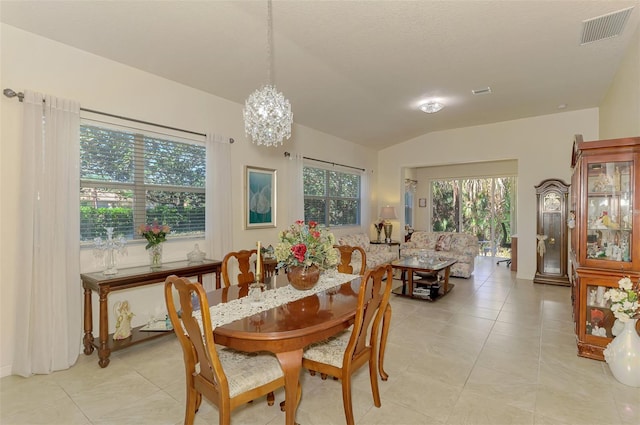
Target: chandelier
(267,114)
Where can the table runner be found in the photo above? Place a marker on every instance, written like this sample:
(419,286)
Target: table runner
(224,313)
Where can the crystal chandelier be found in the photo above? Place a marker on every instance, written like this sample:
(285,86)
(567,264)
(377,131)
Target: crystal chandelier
(267,114)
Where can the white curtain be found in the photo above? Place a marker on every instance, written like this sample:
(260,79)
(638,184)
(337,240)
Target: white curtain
(219,218)
(49,294)
(296,188)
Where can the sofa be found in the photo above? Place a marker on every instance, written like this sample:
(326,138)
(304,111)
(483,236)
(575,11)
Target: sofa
(460,246)
(377,254)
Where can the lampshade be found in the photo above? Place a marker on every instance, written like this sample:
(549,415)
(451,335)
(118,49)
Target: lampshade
(388,213)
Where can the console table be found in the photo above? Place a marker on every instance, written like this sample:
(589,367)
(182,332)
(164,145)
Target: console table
(126,278)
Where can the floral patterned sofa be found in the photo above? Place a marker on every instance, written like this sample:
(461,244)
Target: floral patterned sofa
(377,254)
(460,246)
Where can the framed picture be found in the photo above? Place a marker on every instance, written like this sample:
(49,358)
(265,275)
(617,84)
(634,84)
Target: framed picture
(260,198)
(422,202)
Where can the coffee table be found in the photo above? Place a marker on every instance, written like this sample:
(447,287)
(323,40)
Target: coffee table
(435,266)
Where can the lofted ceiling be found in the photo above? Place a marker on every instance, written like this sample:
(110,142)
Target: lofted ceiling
(357,69)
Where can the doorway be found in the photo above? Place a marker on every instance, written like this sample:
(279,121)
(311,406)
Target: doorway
(479,206)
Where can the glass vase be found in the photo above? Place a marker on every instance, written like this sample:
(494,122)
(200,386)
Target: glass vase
(303,278)
(155,256)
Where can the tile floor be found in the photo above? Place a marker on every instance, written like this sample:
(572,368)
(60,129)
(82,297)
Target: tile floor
(496,350)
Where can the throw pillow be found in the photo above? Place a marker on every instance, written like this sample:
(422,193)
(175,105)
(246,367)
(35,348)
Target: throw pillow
(443,243)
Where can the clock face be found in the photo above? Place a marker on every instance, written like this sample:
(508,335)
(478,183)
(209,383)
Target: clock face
(552,202)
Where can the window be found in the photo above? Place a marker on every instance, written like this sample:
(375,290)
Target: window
(476,206)
(331,198)
(128,178)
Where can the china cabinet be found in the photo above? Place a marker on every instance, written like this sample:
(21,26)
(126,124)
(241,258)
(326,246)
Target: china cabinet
(605,238)
(552,235)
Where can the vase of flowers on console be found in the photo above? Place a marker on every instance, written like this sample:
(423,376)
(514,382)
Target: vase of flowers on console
(378,225)
(304,250)
(156,235)
(623,353)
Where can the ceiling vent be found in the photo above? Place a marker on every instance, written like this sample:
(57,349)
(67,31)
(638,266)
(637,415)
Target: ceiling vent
(605,26)
(485,90)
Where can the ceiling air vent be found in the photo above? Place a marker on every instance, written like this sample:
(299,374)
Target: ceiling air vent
(485,90)
(605,26)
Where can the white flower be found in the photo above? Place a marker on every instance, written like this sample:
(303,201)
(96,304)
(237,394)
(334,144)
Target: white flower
(624,299)
(625,283)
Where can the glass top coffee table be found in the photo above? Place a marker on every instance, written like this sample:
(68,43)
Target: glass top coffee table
(437,269)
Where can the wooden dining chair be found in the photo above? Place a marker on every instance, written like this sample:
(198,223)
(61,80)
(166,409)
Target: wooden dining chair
(346,256)
(226,377)
(245,274)
(342,355)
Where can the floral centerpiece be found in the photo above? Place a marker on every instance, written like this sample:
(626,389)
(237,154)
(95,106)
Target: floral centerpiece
(625,300)
(155,234)
(306,245)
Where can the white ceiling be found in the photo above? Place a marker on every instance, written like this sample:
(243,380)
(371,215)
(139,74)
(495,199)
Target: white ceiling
(357,69)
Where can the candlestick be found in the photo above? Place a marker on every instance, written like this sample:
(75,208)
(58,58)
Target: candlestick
(258,265)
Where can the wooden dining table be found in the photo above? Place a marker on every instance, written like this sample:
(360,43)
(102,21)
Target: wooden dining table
(287,329)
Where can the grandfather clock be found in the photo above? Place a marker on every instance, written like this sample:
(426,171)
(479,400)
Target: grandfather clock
(552,233)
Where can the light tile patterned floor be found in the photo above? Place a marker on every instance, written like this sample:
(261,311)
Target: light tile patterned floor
(494,351)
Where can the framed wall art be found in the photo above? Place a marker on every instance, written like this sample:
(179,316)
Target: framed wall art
(260,198)
(422,202)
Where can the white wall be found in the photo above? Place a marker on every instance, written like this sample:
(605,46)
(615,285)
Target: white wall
(35,63)
(620,109)
(540,145)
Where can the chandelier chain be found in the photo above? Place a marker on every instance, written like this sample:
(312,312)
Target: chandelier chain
(269,44)
(267,113)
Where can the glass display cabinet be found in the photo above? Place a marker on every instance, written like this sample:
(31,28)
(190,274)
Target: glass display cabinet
(552,234)
(605,238)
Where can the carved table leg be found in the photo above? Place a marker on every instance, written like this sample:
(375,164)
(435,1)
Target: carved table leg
(88,322)
(386,322)
(104,351)
(291,363)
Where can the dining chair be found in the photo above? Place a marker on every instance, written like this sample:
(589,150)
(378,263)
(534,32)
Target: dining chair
(226,377)
(245,273)
(340,356)
(346,256)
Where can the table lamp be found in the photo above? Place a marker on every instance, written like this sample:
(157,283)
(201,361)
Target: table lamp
(388,213)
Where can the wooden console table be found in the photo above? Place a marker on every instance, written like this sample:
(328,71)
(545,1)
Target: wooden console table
(130,278)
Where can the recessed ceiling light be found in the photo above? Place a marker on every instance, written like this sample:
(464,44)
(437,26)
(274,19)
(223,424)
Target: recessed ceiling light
(562,106)
(431,107)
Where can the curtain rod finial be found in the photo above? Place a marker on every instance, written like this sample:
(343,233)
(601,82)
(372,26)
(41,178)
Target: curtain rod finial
(10,93)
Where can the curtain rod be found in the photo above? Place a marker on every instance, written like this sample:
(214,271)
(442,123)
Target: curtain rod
(287,155)
(10,93)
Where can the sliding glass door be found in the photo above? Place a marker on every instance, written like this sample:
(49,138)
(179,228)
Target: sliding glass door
(480,206)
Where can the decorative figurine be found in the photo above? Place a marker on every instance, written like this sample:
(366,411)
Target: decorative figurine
(196,256)
(123,323)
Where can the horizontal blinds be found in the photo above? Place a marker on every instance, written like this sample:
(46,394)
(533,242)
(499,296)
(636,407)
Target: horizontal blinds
(129,178)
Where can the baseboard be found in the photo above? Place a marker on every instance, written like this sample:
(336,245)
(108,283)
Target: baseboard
(5,371)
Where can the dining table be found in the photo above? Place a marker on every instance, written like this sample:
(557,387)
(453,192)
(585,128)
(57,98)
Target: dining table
(285,327)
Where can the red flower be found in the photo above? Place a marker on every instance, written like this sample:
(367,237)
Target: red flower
(315,234)
(299,251)
(313,224)
(299,222)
